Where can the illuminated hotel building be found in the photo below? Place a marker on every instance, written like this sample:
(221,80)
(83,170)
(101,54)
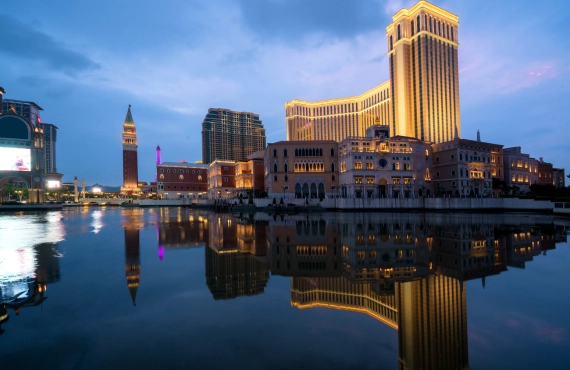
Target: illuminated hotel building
(420,100)
(130,160)
(231,136)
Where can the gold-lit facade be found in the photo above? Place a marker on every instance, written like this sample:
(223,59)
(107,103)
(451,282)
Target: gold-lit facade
(420,100)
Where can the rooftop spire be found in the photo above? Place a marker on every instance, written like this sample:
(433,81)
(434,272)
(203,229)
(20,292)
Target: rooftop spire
(129,118)
(478,136)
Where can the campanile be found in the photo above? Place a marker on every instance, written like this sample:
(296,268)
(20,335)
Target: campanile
(130,160)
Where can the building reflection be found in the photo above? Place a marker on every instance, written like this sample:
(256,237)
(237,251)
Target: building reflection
(24,276)
(408,271)
(133,221)
(235,257)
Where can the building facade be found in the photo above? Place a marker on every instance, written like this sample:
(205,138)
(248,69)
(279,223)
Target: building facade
(544,172)
(300,169)
(520,170)
(464,167)
(231,136)
(22,150)
(420,100)
(130,159)
(179,180)
(380,166)
(558,177)
(221,179)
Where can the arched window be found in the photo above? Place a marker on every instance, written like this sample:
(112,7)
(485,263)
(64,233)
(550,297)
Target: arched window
(418,24)
(332,152)
(321,152)
(275,152)
(161,176)
(332,167)
(286,178)
(306,167)
(399,32)
(284,152)
(412,23)
(274,167)
(296,153)
(181,177)
(199,177)
(286,167)
(391,43)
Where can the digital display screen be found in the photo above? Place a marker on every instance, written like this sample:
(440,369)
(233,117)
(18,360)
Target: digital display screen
(52,184)
(15,159)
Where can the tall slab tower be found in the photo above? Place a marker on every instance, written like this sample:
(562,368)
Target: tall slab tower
(130,160)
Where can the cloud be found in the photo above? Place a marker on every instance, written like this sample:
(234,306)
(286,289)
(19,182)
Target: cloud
(292,20)
(391,7)
(22,41)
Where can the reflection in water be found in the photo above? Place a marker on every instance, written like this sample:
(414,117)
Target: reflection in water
(28,260)
(408,271)
(132,221)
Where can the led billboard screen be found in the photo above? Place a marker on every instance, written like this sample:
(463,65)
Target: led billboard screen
(15,159)
(53,184)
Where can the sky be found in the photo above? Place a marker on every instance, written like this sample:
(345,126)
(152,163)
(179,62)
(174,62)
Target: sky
(84,62)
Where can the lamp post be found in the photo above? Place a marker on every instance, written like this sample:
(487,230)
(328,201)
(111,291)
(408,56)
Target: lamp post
(83,188)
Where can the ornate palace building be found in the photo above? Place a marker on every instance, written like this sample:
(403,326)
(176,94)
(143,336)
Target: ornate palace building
(130,160)
(420,100)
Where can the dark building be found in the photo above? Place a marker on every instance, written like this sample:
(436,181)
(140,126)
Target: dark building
(231,136)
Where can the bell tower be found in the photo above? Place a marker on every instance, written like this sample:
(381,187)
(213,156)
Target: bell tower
(130,160)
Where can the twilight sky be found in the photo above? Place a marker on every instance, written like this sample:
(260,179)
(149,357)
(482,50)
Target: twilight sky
(83,62)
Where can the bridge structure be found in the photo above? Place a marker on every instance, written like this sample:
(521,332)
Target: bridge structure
(103,201)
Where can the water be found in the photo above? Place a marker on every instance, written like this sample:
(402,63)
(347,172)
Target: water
(179,288)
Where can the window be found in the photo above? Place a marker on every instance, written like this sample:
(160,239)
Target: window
(284,152)
(275,178)
(181,177)
(274,167)
(399,32)
(275,152)
(332,152)
(161,176)
(162,170)
(286,178)
(437,159)
(199,177)
(286,167)
(452,156)
(225,179)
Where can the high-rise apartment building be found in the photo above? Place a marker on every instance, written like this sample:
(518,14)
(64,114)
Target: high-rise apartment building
(231,136)
(420,100)
(50,138)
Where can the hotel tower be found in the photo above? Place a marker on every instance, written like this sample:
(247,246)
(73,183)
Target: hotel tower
(420,100)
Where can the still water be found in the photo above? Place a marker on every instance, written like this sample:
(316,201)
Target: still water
(181,288)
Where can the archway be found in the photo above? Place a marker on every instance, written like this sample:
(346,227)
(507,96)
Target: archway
(305,190)
(14,188)
(382,185)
